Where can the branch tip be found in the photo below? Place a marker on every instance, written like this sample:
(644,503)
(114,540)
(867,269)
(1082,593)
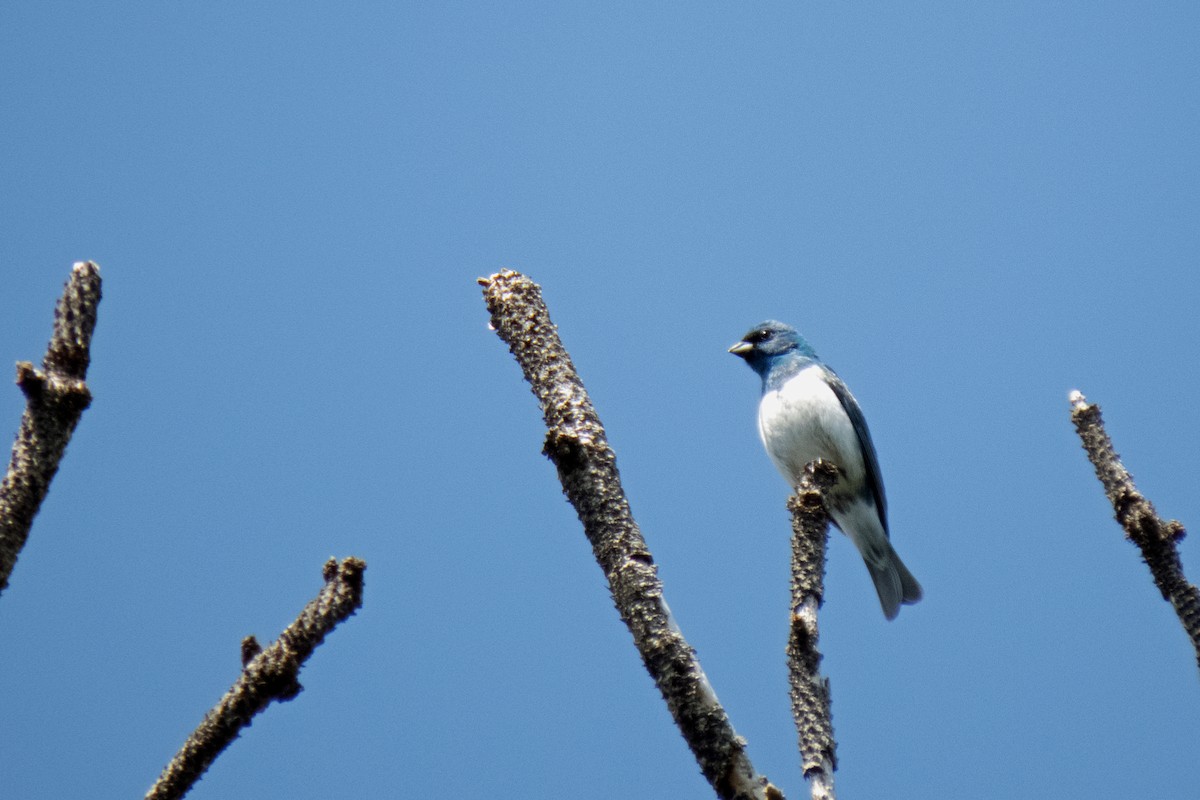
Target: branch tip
(576,442)
(30,380)
(1154,537)
(250,649)
(809,690)
(55,397)
(268,675)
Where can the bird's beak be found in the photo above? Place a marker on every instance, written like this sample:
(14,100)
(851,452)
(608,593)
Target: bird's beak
(741,348)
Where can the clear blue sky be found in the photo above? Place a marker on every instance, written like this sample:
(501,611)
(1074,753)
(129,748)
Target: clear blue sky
(969,209)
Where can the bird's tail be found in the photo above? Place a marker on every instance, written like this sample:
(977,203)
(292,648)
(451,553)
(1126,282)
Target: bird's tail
(893,582)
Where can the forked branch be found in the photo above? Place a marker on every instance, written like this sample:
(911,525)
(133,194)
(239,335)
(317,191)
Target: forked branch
(270,674)
(56,396)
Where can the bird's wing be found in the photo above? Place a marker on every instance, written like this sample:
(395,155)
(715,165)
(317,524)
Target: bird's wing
(870,460)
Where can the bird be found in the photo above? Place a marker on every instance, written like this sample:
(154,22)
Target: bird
(807,413)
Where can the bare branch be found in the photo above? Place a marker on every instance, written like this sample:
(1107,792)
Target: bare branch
(587,468)
(809,690)
(55,396)
(270,674)
(1136,514)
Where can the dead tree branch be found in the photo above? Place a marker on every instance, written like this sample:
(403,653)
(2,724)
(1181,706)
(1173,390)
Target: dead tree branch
(809,690)
(270,674)
(576,443)
(1156,539)
(56,396)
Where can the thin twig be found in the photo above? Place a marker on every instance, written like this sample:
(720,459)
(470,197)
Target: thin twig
(1156,539)
(809,690)
(270,674)
(56,396)
(577,445)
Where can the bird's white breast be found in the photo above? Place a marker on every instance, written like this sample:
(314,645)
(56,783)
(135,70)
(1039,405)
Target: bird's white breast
(803,420)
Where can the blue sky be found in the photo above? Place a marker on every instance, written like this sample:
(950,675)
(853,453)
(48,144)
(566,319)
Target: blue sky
(969,209)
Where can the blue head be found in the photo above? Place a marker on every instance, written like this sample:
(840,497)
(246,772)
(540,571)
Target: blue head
(774,350)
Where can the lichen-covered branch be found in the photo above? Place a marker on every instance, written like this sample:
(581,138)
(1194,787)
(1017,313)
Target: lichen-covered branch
(270,674)
(1156,539)
(56,396)
(809,690)
(576,443)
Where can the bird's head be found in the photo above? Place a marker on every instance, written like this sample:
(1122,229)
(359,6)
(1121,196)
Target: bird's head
(770,343)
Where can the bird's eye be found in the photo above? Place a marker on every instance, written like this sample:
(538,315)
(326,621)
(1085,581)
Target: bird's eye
(760,336)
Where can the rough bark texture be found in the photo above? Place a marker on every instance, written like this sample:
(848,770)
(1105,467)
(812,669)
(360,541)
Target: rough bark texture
(270,674)
(577,445)
(56,396)
(1154,537)
(809,690)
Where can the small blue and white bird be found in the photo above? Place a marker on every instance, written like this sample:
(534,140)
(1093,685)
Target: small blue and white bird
(806,413)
